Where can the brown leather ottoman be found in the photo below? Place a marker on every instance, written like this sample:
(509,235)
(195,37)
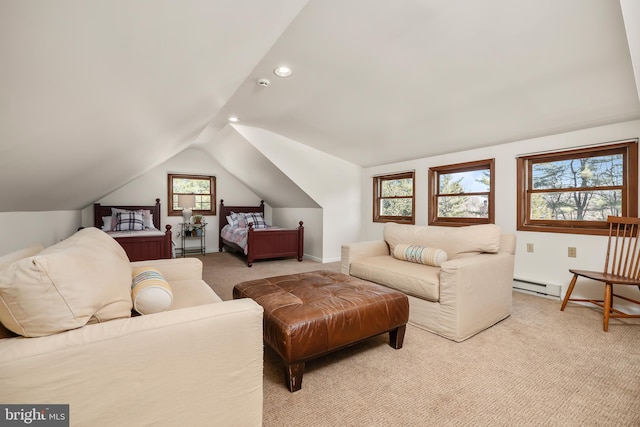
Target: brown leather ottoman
(310,314)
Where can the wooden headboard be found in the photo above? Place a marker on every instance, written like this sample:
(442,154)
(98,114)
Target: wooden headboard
(101,210)
(226,211)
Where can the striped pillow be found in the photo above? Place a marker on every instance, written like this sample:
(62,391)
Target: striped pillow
(150,292)
(420,255)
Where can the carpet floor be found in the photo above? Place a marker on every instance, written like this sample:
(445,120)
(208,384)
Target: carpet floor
(538,367)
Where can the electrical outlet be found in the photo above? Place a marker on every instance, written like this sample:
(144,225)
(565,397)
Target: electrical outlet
(529,247)
(572,252)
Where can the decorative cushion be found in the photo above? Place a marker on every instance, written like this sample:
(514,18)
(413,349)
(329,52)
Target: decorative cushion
(129,221)
(252,217)
(85,278)
(146,216)
(150,292)
(420,254)
(12,257)
(457,242)
(233,219)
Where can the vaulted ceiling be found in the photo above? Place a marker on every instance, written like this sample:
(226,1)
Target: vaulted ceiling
(93,94)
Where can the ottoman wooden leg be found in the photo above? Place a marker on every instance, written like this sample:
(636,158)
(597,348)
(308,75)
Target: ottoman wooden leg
(293,375)
(396,337)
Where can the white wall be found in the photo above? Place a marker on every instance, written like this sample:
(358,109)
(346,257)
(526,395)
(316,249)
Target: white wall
(549,262)
(313,224)
(331,182)
(23,229)
(153,184)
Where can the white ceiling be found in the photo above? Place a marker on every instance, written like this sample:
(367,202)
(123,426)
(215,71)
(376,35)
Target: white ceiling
(95,93)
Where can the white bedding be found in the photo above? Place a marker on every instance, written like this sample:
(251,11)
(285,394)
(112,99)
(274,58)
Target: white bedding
(154,232)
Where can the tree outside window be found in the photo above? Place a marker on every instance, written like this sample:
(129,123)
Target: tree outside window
(202,187)
(393,198)
(574,191)
(461,194)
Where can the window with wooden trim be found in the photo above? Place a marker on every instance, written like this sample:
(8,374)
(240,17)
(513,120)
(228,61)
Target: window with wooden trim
(202,187)
(462,194)
(393,198)
(574,191)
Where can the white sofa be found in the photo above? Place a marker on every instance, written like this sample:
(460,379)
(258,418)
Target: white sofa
(199,363)
(466,294)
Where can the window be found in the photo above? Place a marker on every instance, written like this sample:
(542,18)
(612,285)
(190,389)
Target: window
(574,191)
(393,198)
(462,194)
(202,187)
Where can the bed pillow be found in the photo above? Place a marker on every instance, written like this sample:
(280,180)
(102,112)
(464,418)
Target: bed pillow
(420,254)
(147,217)
(106,223)
(150,292)
(129,221)
(252,217)
(148,221)
(233,219)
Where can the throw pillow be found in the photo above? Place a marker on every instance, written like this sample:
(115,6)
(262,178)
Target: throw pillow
(150,292)
(253,217)
(419,254)
(129,221)
(83,279)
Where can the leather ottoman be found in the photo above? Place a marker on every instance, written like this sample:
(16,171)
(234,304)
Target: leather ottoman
(310,314)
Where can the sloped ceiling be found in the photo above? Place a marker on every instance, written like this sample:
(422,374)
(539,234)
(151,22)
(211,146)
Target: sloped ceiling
(95,93)
(377,82)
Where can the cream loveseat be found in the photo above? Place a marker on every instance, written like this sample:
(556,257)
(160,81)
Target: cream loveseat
(199,363)
(468,292)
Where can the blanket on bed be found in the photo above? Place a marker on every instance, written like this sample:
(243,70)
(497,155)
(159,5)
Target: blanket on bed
(239,235)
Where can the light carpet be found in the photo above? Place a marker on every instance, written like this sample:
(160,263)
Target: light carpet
(538,367)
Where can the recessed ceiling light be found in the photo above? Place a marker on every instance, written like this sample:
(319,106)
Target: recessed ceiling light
(233,119)
(282,71)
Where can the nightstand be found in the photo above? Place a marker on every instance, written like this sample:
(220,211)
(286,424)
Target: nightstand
(193,233)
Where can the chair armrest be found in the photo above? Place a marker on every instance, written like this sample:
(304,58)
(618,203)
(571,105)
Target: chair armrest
(353,251)
(180,367)
(174,269)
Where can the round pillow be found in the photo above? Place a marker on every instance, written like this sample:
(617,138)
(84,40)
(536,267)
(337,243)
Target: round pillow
(419,254)
(150,292)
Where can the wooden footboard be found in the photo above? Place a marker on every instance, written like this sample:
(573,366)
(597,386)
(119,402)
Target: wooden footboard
(144,248)
(264,244)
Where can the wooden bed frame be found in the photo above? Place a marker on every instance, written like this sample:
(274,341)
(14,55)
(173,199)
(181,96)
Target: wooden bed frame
(263,244)
(140,248)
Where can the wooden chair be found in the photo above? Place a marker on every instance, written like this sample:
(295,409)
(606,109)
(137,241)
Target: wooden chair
(621,267)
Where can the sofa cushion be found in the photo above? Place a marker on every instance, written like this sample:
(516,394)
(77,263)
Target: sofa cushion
(418,280)
(150,292)
(457,242)
(420,254)
(85,278)
(8,259)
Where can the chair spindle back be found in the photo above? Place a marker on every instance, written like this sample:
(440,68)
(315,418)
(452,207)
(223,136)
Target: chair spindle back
(623,252)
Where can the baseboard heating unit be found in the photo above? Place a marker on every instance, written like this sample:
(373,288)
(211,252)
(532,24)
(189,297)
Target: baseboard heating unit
(537,288)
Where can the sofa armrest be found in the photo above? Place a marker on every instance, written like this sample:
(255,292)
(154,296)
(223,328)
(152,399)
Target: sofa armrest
(478,289)
(353,251)
(174,269)
(182,367)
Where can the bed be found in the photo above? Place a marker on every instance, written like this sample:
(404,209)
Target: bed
(261,243)
(150,243)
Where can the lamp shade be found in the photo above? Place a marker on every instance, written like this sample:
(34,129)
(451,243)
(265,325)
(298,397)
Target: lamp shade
(186,201)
